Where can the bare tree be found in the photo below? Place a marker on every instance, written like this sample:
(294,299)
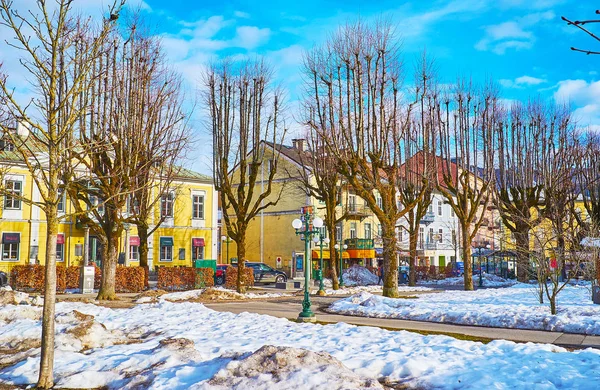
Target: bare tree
(580,25)
(245,110)
(50,43)
(355,83)
(320,179)
(520,195)
(466,164)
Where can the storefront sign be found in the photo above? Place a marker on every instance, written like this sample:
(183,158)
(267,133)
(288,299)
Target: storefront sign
(197,242)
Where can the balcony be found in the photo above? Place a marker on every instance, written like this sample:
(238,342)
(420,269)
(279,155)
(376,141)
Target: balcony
(428,218)
(359,212)
(359,243)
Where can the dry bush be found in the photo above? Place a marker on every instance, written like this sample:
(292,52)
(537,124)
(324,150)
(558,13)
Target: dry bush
(231,277)
(31,277)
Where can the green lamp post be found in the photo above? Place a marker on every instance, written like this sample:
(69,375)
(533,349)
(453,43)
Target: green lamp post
(341,248)
(306,315)
(320,239)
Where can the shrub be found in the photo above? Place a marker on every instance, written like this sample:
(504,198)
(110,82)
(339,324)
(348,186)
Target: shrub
(129,279)
(31,277)
(205,277)
(176,278)
(231,277)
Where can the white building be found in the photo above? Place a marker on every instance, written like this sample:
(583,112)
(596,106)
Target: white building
(439,241)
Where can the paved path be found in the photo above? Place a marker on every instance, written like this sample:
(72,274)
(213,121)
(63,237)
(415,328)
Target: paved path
(290,309)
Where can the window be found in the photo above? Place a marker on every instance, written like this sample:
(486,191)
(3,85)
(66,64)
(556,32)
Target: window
(368,231)
(166,253)
(60,252)
(6,145)
(400,238)
(379,201)
(10,246)
(421,237)
(338,232)
(134,253)
(379,230)
(97,202)
(430,237)
(352,202)
(166,205)
(430,208)
(440,235)
(13,187)
(61,202)
(352,229)
(133,205)
(198,206)
(197,252)
(440,207)
(339,196)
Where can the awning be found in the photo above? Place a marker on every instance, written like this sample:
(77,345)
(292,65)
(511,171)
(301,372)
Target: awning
(11,238)
(327,255)
(60,239)
(197,242)
(134,241)
(361,253)
(166,241)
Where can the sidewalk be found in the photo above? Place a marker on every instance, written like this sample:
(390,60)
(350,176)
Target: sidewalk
(290,310)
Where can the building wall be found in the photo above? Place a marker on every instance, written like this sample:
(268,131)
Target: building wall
(29,222)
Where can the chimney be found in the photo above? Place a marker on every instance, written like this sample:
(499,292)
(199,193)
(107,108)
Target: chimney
(299,144)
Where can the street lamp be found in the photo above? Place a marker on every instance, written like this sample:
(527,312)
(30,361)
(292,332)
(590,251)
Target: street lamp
(320,239)
(226,240)
(479,247)
(341,248)
(306,315)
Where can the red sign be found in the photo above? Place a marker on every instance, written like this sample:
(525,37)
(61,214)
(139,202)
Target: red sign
(60,239)
(134,241)
(197,242)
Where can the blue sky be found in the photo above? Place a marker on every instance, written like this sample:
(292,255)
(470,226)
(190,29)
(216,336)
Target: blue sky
(522,44)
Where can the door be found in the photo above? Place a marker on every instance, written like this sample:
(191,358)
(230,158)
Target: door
(442,261)
(95,250)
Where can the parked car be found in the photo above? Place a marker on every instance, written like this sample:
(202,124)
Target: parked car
(266,274)
(3,279)
(220,274)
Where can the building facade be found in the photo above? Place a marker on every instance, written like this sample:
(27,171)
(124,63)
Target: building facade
(189,232)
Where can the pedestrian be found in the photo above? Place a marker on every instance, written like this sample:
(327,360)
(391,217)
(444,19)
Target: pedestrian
(380,273)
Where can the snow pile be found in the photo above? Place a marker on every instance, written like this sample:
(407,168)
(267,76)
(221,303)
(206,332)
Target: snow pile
(359,276)
(511,307)
(10,297)
(489,280)
(371,289)
(288,368)
(185,345)
(211,293)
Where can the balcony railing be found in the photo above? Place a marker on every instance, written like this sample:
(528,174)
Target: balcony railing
(359,243)
(428,218)
(355,211)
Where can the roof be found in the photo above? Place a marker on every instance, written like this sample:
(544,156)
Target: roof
(185,173)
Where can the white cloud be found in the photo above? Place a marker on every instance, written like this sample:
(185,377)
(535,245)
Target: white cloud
(584,95)
(522,82)
(250,37)
(514,34)
(242,15)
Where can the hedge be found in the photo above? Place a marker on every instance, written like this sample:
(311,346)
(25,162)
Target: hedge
(231,277)
(184,278)
(31,278)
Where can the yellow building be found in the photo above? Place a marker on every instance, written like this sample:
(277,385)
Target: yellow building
(271,238)
(190,231)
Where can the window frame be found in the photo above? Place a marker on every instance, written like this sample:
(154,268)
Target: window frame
(16,204)
(162,258)
(60,258)
(200,210)
(367,227)
(11,244)
(167,200)
(134,255)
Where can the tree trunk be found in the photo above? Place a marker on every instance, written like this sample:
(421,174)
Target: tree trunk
(46,377)
(467,259)
(522,245)
(413,238)
(143,250)
(333,255)
(241,255)
(109,268)
(390,260)
(553,304)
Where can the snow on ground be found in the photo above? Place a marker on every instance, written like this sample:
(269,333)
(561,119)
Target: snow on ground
(188,346)
(359,276)
(371,289)
(510,307)
(489,280)
(10,297)
(215,293)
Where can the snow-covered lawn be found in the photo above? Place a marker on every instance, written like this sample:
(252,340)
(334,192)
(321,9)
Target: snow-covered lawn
(510,307)
(214,293)
(370,289)
(187,346)
(489,280)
